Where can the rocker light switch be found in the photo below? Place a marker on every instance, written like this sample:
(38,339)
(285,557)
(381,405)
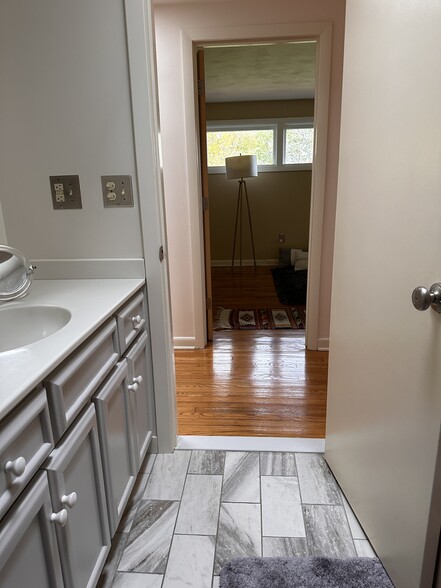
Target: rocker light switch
(66,192)
(117,191)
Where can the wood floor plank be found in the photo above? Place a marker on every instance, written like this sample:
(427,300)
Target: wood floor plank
(251,383)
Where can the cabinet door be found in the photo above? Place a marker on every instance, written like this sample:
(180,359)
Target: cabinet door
(114,427)
(25,442)
(140,388)
(76,484)
(28,545)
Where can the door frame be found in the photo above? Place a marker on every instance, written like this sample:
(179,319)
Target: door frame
(321,32)
(143,86)
(145,116)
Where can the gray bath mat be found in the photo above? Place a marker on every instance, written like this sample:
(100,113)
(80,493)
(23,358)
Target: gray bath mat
(304,572)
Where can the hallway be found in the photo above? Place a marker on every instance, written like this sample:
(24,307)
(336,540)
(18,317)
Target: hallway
(251,383)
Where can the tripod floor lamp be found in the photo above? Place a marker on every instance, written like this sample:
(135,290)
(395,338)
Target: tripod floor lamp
(238,168)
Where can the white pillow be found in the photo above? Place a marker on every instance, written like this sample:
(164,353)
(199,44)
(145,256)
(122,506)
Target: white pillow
(294,253)
(297,254)
(301,264)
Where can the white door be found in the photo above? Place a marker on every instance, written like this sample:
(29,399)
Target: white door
(384,405)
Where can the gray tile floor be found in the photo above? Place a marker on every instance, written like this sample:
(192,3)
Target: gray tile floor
(192,511)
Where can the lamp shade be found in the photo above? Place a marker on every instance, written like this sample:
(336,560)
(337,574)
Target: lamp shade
(241,166)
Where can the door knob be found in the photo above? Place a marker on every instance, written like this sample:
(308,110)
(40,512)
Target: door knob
(422,298)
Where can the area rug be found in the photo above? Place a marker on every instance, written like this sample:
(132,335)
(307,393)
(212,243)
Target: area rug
(304,572)
(260,318)
(290,285)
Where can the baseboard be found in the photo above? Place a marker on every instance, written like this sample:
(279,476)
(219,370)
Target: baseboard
(153,447)
(297,444)
(323,344)
(245,262)
(88,269)
(184,342)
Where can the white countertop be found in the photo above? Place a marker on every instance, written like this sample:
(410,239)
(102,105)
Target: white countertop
(90,303)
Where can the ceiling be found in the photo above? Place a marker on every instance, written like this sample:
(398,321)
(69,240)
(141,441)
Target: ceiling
(282,71)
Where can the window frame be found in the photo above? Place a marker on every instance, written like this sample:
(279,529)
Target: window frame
(279,127)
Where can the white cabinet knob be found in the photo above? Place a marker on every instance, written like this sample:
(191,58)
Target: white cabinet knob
(138,380)
(69,500)
(16,467)
(136,321)
(133,387)
(59,518)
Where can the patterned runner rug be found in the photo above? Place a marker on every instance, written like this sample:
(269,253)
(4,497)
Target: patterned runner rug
(261,318)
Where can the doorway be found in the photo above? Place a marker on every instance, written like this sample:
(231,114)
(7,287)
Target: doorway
(257,99)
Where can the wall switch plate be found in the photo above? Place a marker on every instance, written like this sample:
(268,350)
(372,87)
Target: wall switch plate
(117,191)
(66,192)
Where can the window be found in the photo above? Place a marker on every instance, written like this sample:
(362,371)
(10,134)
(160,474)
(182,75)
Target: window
(224,143)
(298,145)
(279,144)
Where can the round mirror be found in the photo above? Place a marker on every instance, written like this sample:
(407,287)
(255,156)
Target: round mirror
(16,273)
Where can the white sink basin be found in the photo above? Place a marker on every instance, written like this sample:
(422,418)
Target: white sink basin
(23,325)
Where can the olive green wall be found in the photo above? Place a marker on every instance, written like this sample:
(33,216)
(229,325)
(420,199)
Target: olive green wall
(259,109)
(279,201)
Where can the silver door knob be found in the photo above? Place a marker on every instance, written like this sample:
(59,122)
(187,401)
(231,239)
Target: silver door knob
(422,298)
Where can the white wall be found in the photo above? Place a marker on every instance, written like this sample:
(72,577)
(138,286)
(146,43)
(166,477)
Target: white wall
(178,140)
(65,109)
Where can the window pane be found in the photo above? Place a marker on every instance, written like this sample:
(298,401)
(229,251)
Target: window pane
(222,144)
(298,145)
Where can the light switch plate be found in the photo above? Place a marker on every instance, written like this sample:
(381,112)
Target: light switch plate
(66,193)
(117,191)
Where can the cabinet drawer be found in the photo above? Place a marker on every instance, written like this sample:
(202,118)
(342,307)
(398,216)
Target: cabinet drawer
(131,320)
(73,384)
(25,442)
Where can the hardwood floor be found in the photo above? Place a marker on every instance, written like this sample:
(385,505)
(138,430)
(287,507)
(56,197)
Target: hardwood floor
(251,383)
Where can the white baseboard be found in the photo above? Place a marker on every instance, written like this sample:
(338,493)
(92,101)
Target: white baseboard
(153,447)
(184,342)
(88,269)
(251,443)
(245,262)
(323,344)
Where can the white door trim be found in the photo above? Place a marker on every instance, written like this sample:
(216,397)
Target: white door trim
(322,33)
(143,88)
(145,121)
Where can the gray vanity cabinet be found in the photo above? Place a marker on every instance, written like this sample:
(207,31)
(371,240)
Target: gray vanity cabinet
(140,389)
(114,425)
(28,545)
(77,491)
(70,453)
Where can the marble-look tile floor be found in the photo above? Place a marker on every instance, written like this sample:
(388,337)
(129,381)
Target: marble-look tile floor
(192,511)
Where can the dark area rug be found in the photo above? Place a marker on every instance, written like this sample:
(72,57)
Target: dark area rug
(290,285)
(304,572)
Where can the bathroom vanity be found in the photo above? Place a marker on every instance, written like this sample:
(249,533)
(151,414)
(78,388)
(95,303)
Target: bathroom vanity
(77,419)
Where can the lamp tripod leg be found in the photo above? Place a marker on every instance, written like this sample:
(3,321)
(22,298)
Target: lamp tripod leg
(251,226)
(239,201)
(240,221)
